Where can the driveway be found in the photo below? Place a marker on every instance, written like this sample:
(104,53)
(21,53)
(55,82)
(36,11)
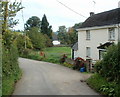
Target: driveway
(42,78)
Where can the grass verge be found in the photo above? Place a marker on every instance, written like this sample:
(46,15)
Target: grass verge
(101,85)
(8,83)
(52,54)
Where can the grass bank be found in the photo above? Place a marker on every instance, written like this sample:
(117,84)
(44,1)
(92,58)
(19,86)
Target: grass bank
(52,54)
(8,83)
(101,85)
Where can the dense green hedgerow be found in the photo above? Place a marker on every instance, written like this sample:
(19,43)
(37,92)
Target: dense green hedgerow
(101,85)
(107,79)
(10,68)
(109,67)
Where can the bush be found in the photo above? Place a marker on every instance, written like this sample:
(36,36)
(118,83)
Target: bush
(109,67)
(10,69)
(68,65)
(100,84)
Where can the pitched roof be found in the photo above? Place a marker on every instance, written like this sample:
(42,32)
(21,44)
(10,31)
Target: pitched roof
(75,46)
(101,19)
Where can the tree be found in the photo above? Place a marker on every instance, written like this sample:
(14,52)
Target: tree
(10,68)
(9,10)
(38,40)
(45,28)
(62,29)
(69,37)
(77,25)
(34,21)
(48,41)
(20,39)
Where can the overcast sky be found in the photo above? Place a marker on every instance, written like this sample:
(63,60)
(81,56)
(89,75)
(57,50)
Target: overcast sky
(59,15)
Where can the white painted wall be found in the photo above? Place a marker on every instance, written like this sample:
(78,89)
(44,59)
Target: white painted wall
(97,36)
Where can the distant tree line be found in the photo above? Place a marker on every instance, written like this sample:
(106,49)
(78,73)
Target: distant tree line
(68,37)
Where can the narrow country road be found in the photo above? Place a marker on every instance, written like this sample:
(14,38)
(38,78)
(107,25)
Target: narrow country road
(42,78)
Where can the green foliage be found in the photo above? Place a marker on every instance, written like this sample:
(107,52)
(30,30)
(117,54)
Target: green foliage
(52,54)
(0,65)
(108,77)
(109,67)
(10,69)
(68,65)
(45,27)
(100,84)
(20,42)
(48,41)
(34,21)
(68,38)
(37,38)
(12,9)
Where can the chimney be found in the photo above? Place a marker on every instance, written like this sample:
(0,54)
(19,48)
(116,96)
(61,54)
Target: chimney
(119,4)
(91,14)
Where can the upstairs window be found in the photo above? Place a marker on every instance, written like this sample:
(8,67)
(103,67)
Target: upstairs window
(111,33)
(87,34)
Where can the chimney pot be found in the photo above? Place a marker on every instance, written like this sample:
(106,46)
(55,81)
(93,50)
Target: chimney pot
(91,13)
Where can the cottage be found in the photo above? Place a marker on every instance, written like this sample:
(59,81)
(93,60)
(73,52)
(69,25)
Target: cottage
(98,31)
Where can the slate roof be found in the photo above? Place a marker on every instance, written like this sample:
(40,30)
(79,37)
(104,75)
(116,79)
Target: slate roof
(101,19)
(75,46)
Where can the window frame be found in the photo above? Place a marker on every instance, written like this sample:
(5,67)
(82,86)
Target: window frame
(88,52)
(111,34)
(87,34)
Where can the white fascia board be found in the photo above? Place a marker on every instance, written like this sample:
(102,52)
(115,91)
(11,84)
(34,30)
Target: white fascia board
(97,27)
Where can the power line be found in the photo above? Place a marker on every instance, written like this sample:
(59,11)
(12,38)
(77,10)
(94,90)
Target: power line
(71,9)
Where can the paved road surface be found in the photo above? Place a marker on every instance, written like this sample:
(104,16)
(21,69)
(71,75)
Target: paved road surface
(42,78)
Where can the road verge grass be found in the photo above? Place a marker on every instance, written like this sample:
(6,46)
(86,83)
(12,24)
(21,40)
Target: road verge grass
(52,54)
(101,85)
(8,83)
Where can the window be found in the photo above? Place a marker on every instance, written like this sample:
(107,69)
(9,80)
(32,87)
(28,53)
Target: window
(87,34)
(101,53)
(88,51)
(111,33)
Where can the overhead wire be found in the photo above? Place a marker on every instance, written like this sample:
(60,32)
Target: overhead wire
(71,9)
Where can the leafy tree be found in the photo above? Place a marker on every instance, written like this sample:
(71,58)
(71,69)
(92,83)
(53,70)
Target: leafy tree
(10,67)
(67,38)
(34,21)
(45,28)
(37,38)
(62,29)
(48,41)
(20,42)
(77,25)
(9,10)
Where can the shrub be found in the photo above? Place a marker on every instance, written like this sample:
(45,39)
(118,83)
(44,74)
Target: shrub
(10,69)
(68,65)
(109,67)
(100,84)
